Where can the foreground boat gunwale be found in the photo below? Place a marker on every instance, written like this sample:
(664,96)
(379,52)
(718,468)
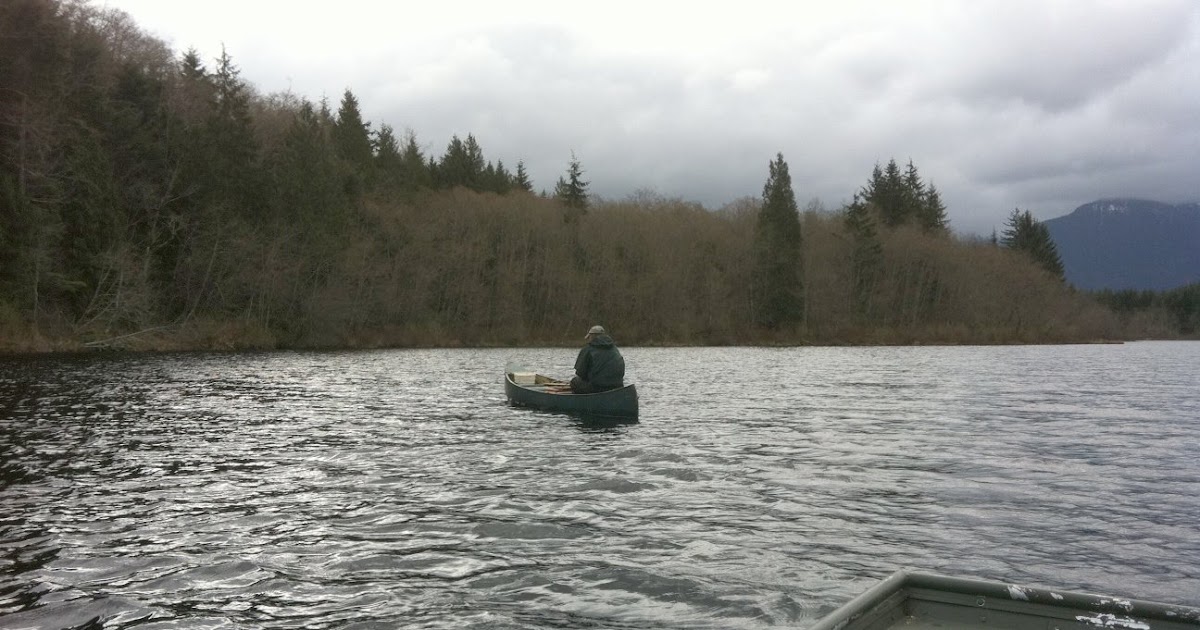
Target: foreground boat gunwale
(887,605)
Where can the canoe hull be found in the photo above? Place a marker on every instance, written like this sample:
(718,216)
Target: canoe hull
(616,403)
(909,600)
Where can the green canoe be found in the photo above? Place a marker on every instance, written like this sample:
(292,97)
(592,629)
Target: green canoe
(924,601)
(527,389)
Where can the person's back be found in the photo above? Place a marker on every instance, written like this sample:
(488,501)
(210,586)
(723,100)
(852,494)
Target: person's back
(599,366)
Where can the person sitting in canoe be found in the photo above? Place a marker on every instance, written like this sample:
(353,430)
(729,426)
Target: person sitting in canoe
(599,366)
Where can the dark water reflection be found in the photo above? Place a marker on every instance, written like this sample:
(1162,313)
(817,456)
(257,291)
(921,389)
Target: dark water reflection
(762,487)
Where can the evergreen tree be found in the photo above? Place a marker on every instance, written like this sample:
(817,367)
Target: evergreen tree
(230,154)
(875,186)
(325,114)
(146,154)
(901,198)
(433,168)
(352,141)
(489,178)
(912,194)
(417,172)
(352,136)
(389,163)
(572,191)
(193,98)
(778,291)
(1024,233)
(885,192)
(1184,305)
(871,191)
(386,147)
(521,179)
(866,256)
(474,162)
(932,215)
(499,179)
(462,165)
(891,200)
(190,66)
(309,187)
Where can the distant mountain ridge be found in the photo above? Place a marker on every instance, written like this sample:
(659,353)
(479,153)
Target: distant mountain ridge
(1129,244)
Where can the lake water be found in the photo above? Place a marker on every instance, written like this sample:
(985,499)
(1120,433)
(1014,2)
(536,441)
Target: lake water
(761,487)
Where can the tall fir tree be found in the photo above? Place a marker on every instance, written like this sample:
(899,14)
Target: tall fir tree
(462,165)
(1025,234)
(388,163)
(191,66)
(778,290)
(572,191)
(499,179)
(352,141)
(903,198)
(912,193)
(386,147)
(417,173)
(866,254)
(932,216)
(231,151)
(325,113)
(891,200)
(352,135)
(475,163)
(147,150)
(521,178)
(309,188)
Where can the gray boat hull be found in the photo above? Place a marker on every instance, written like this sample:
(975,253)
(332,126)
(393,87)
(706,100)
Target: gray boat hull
(616,403)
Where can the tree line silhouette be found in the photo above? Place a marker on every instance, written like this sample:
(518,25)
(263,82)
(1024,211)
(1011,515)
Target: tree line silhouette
(152,202)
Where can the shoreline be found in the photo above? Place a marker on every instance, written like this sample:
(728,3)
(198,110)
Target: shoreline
(61,347)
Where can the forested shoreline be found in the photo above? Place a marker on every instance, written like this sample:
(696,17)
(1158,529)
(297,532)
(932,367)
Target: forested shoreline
(151,202)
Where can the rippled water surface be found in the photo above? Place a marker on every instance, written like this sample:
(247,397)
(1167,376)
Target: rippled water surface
(762,487)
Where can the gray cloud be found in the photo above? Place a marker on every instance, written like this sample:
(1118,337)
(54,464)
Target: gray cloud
(1058,57)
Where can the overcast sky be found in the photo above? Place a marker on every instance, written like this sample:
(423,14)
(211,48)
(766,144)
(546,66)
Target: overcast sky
(1040,105)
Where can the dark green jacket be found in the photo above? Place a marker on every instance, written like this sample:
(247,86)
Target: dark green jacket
(601,364)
